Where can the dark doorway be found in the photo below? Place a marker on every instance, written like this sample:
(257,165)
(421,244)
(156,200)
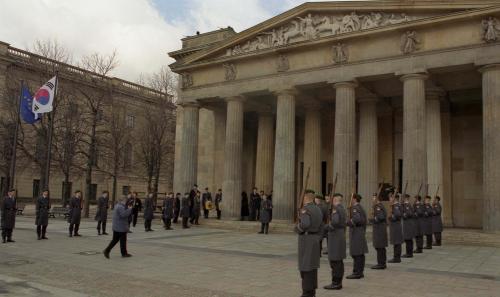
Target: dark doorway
(323,178)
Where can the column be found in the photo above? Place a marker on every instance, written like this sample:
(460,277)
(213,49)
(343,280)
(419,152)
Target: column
(434,142)
(284,156)
(344,149)
(312,146)
(265,152)
(189,146)
(232,184)
(368,149)
(414,133)
(219,147)
(491,147)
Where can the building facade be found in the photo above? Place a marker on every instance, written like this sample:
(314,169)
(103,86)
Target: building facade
(405,92)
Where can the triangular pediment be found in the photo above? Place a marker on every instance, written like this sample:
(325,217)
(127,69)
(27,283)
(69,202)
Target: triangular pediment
(319,20)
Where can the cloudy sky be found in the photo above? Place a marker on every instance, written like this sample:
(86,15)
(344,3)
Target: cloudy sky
(142,31)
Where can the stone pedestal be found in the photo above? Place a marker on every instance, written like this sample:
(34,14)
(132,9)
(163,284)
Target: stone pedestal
(284,157)
(265,152)
(189,146)
(368,150)
(414,133)
(344,159)
(232,184)
(434,142)
(312,146)
(491,147)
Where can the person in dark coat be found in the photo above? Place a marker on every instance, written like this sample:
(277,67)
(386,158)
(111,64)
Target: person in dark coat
(101,215)
(218,203)
(309,228)
(177,207)
(395,228)
(75,213)
(379,222)
(195,216)
(149,212)
(255,206)
(184,211)
(206,197)
(357,237)
(427,222)
(8,210)
(320,202)
(42,207)
(409,229)
(418,208)
(265,214)
(437,221)
(121,213)
(336,242)
(244,206)
(137,207)
(168,211)
(192,196)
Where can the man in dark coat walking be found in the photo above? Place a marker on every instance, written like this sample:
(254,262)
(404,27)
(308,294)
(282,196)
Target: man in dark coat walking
(121,213)
(185,213)
(309,228)
(42,207)
(409,229)
(101,215)
(427,222)
(218,203)
(137,207)
(205,198)
(336,242)
(418,208)
(75,213)
(379,222)
(196,210)
(8,209)
(255,201)
(437,221)
(192,196)
(265,215)
(357,237)
(149,209)
(168,211)
(177,207)
(395,228)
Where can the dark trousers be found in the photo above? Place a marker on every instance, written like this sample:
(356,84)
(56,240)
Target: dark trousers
(437,237)
(409,247)
(381,256)
(264,228)
(205,213)
(419,240)
(194,219)
(185,222)
(397,252)
(122,238)
(253,215)
(309,282)
(428,241)
(358,265)
(6,233)
(167,222)
(41,230)
(218,214)
(176,216)
(101,225)
(135,215)
(147,224)
(257,214)
(337,272)
(74,227)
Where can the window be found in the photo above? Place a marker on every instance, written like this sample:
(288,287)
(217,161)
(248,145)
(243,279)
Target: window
(66,191)
(130,121)
(127,156)
(125,190)
(36,187)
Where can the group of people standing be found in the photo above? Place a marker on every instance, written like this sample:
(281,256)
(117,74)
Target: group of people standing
(259,208)
(319,218)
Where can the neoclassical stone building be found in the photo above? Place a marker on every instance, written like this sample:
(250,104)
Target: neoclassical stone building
(393,91)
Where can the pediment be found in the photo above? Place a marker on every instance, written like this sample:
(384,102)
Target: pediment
(321,20)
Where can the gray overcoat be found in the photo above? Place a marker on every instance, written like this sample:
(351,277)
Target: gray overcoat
(42,207)
(309,228)
(336,234)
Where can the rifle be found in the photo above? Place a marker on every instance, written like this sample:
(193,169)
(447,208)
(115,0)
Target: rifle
(332,191)
(302,192)
(437,191)
(378,195)
(420,189)
(394,199)
(350,202)
(404,190)
(427,190)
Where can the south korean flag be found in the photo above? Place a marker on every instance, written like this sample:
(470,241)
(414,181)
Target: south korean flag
(44,97)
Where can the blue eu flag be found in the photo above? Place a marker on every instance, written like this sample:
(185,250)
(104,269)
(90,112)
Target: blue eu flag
(26,101)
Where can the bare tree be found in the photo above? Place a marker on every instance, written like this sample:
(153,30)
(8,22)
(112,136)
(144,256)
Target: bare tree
(164,81)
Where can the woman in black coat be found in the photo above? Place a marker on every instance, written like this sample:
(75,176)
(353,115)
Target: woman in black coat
(265,214)
(245,212)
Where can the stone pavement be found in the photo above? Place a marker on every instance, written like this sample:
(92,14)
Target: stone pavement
(209,262)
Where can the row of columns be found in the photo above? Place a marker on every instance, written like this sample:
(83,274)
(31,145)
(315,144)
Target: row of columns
(421,141)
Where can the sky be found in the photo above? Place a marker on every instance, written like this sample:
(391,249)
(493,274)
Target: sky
(141,31)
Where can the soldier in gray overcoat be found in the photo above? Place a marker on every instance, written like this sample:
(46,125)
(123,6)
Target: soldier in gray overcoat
(437,221)
(320,202)
(8,210)
(395,228)
(358,246)
(168,211)
(185,210)
(42,207)
(149,212)
(336,242)
(418,208)
(101,215)
(409,223)
(380,241)
(266,206)
(75,213)
(427,220)
(309,228)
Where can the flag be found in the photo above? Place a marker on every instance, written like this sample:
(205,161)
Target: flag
(25,109)
(42,101)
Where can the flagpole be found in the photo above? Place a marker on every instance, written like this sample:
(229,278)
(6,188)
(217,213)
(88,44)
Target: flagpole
(12,171)
(49,139)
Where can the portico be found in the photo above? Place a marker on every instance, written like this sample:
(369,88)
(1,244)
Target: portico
(408,94)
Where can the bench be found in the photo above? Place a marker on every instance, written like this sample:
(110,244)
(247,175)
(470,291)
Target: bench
(58,211)
(20,209)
